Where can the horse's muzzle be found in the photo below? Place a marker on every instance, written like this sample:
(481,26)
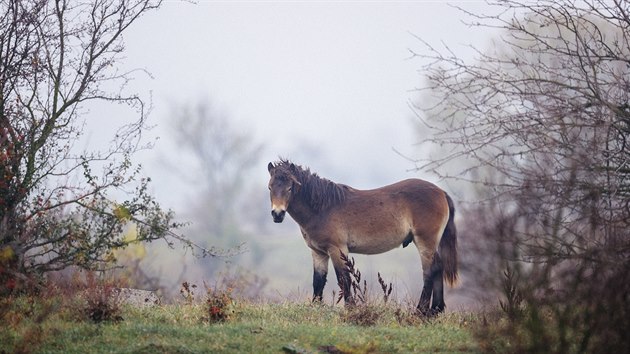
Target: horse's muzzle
(278,216)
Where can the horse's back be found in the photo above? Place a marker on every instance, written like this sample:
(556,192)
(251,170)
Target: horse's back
(413,192)
(412,184)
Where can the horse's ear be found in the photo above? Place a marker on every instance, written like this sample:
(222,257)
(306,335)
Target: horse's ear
(271,168)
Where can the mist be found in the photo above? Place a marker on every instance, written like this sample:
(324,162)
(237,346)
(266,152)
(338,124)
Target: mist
(327,85)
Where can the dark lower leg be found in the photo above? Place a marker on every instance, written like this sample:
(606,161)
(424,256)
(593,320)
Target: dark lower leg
(319,281)
(437,274)
(343,278)
(425,297)
(438,304)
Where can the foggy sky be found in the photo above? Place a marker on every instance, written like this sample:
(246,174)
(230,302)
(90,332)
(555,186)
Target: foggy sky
(326,84)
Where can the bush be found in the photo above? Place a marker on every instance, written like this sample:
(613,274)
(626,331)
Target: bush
(219,304)
(102,301)
(367,311)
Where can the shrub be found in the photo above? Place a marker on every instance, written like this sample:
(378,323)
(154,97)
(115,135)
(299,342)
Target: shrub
(218,304)
(102,302)
(365,311)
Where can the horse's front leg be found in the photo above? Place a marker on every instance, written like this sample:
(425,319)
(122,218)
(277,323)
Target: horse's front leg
(343,276)
(320,271)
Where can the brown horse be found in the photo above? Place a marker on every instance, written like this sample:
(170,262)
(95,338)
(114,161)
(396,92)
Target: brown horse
(336,219)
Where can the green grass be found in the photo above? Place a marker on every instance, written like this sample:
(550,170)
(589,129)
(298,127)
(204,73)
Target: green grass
(252,328)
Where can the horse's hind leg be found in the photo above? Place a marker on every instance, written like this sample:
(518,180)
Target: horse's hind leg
(437,274)
(431,272)
(433,286)
(427,287)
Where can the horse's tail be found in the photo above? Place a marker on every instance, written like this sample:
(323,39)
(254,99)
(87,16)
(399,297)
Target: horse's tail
(448,245)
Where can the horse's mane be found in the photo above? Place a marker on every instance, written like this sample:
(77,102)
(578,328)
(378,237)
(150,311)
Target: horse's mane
(320,193)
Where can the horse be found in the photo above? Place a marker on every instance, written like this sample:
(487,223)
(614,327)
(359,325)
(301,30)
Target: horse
(336,219)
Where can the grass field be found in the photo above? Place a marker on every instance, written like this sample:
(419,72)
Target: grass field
(251,328)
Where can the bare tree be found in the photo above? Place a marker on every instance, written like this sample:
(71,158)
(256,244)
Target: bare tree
(222,157)
(543,121)
(56,202)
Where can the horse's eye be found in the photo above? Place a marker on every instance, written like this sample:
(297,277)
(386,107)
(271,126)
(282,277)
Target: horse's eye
(290,189)
(269,187)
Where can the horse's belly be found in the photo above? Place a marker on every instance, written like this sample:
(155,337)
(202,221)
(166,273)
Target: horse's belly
(376,234)
(375,244)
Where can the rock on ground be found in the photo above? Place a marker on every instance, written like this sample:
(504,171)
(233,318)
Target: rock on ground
(137,297)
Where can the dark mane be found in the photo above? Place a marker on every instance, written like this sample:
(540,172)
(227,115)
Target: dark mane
(320,193)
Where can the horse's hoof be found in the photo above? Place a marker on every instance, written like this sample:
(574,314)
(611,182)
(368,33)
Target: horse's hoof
(428,313)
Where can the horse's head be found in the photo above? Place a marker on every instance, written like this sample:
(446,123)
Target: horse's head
(283,185)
